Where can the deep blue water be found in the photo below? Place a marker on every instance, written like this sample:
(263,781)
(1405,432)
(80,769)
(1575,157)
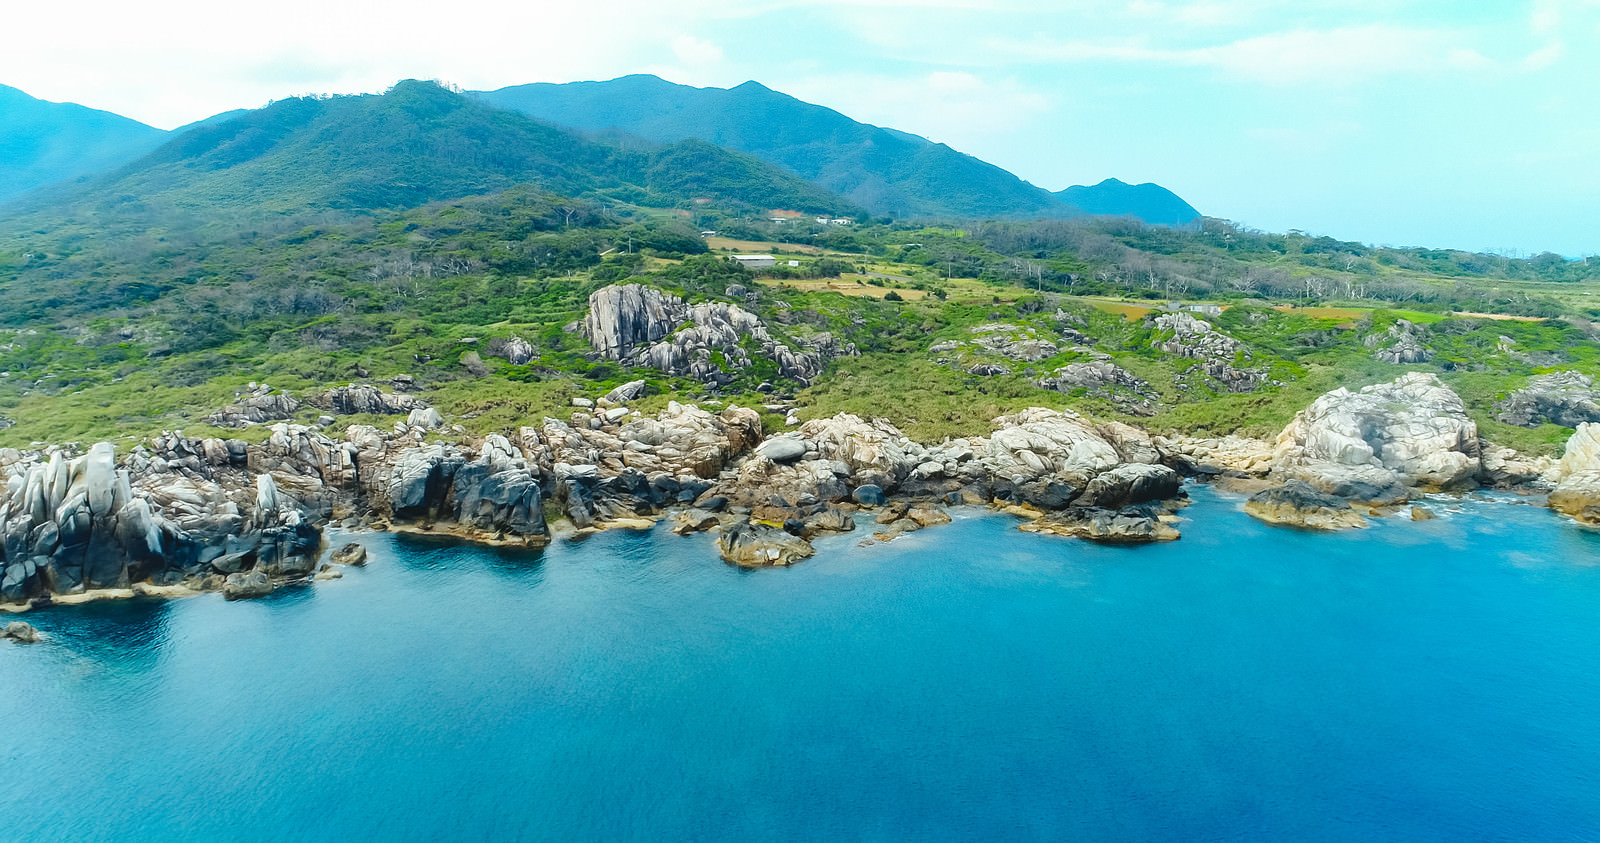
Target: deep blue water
(1417,681)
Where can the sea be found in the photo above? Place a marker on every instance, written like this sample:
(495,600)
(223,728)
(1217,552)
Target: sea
(1415,681)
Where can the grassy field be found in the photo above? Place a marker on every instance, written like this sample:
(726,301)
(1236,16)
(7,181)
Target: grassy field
(848,284)
(760,247)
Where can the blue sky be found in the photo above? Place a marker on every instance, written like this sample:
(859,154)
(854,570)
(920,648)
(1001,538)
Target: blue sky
(1443,124)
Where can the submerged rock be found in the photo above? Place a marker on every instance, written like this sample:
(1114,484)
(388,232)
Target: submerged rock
(1129,526)
(247,585)
(20,632)
(1298,504)
(753,545)
(350,554)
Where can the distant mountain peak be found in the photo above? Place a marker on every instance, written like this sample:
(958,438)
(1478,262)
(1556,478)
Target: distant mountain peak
(43,142)
(1148,201)
(887,171)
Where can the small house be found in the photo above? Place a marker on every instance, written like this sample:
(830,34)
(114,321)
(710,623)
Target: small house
(755,261)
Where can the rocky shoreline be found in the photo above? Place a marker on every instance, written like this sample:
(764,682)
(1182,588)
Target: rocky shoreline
(183,515)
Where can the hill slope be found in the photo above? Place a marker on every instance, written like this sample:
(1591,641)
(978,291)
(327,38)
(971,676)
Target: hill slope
(885,171)
(46,142)
(1149,202)
(418,143)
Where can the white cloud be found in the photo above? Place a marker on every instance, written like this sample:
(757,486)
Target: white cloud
(696,52)
(172,61)
(961,109)
(1332,58)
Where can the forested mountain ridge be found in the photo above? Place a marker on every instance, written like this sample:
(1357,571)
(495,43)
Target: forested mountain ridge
(44,142)
(415,144)
(886,171)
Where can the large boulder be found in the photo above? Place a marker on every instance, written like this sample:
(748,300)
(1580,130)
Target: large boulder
(1045,457)
(1577,476)
(1410,432)
(20,632)
(1130,484)
(247,585)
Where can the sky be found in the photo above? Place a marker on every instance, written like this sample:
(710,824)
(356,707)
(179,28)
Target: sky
(1397,122)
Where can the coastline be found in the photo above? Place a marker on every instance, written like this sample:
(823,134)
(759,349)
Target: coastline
(190,516)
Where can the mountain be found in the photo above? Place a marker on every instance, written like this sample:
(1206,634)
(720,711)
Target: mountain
(1149,202)
(46,142)
(886,171)
(420,143)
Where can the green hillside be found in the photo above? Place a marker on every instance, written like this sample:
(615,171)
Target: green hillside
(415,144)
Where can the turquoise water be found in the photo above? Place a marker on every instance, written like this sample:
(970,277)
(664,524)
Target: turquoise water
(1418,681)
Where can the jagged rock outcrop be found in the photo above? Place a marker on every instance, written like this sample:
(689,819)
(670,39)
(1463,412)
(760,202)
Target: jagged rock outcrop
(1566,398)
(822,462)
(259,404)
(1217,354)
(1233,455)
(1400,345)
(1504,468)
(517,351)
(1014,342)
(1106,380)
(1298,504)
(1372,444)
(1577,476)
(73,523)
(644,326)
(365,399)
(1129,485)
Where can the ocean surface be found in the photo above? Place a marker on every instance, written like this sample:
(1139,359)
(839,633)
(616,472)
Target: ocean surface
(1436,680)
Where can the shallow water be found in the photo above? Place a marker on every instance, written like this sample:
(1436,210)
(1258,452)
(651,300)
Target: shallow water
(1420,681)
